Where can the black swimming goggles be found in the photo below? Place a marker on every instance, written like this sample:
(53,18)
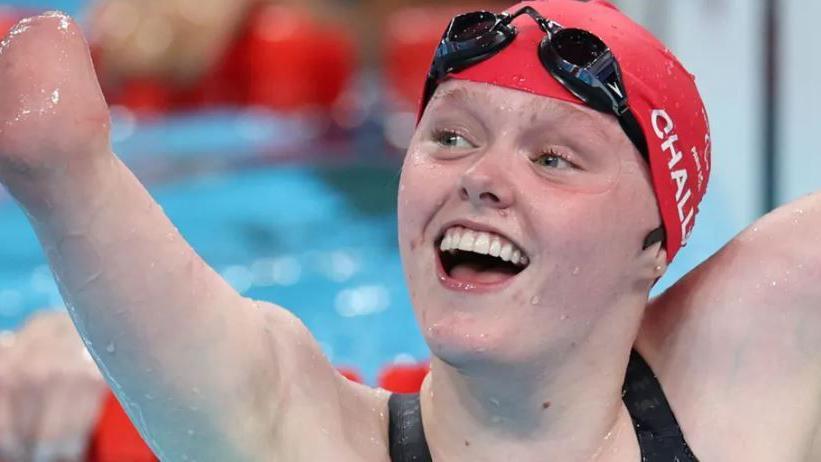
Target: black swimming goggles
(578,59)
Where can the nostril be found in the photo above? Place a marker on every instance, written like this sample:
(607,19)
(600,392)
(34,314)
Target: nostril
(463,194)
(487,196)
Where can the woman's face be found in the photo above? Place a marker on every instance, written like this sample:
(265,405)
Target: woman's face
(554,188)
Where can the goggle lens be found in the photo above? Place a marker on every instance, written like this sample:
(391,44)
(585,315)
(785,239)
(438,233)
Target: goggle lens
(471,26)
(578,47)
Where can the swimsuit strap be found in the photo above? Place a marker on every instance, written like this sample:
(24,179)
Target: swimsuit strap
(405,432)
(660,437)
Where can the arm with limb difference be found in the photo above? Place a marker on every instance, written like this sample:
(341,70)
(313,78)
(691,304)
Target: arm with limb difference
(204,373)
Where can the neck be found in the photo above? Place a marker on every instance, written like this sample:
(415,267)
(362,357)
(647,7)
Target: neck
(565,407)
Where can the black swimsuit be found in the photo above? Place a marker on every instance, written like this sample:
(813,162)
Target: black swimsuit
(659,435)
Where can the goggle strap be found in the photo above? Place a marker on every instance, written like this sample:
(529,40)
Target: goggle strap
(633,130)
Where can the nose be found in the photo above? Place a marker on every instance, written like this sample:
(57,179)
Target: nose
(485,185)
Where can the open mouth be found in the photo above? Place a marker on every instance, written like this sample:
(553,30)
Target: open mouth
(479,257)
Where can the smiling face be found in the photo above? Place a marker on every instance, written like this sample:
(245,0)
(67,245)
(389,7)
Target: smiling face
(521,222)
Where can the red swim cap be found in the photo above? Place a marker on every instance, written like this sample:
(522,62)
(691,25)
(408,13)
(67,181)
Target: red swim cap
(661,94)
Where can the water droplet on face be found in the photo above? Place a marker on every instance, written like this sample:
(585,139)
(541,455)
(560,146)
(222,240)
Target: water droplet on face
(774,283)
(535,300)
(576,271)
(565,317)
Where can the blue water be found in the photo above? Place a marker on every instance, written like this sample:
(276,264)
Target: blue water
(69,6)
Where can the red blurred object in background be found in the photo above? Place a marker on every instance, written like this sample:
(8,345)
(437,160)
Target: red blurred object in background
(145,97)
(9,17)
(411,37)
(350,374)
(115,439)
(282,59)
(293,62)
(403,378)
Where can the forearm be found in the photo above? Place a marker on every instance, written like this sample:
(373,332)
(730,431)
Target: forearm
(192,361)
(164,328)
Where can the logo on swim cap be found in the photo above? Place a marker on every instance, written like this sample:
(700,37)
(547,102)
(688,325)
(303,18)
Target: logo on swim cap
(664,127)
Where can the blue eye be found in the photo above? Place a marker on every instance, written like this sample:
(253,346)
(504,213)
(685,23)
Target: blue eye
(452,139)
(553,160)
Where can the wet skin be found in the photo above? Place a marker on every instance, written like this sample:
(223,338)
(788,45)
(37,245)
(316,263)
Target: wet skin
(566,185)
(737,354)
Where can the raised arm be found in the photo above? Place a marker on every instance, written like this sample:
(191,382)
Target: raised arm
(202,371)
(742,332)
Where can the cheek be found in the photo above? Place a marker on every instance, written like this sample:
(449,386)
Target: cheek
(583,232)
(416,201)
(411,200)
(423,188)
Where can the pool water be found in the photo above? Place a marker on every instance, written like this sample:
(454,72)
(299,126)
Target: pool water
(315,234)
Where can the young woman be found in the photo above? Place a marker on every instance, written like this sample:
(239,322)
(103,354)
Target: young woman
(555,171)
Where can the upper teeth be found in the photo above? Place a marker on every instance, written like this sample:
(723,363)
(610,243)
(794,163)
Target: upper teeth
(458,238)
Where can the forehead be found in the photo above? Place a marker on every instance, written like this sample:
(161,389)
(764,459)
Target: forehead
(504,105)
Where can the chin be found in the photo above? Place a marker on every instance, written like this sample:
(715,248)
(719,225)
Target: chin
(463,340)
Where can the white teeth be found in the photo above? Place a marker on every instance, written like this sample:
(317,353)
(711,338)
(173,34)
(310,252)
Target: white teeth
(467,240)
(507,251)
(456,236)
(466,243)
(495,247)
(446,243)
(482,244)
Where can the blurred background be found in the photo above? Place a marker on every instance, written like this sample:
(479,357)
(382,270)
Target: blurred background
(272,132)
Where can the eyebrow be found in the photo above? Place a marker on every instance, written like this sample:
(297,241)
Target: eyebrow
(577,116)
(541,115)
(456,95)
